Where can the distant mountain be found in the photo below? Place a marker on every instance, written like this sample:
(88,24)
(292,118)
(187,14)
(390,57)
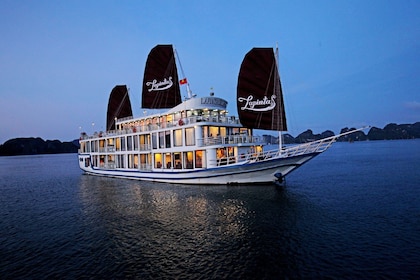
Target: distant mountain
(33,146)
(392,131)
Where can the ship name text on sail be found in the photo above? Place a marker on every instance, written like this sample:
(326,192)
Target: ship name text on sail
(162,85)
(268,104)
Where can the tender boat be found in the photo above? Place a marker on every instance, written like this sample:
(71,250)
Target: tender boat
(195,141)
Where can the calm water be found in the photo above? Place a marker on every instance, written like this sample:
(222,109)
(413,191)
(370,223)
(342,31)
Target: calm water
(352,212)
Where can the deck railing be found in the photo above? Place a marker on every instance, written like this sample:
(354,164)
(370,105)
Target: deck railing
(318,146)
(230,139)
(157,126)
(291,151)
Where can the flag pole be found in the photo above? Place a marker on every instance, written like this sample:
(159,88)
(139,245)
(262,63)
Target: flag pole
(183,75)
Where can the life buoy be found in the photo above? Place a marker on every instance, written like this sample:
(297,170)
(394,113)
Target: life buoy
(181,122)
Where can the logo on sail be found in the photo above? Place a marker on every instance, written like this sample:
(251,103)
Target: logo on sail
(158,86)
(258,105)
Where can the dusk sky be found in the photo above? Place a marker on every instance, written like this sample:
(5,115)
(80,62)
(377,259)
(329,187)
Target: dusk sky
(342,63)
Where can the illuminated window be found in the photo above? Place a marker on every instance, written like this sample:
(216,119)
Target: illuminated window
(189,136)
(199,159)
(158,160)
(178,137)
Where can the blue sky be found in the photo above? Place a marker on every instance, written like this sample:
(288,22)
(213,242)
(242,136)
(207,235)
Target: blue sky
(342,63)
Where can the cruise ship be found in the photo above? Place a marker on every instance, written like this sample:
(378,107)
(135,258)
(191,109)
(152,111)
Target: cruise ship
(195,140)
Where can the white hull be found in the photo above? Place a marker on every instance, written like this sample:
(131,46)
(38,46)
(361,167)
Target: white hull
(256,172)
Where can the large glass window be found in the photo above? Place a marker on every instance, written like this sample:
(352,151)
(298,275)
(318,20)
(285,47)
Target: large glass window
(102,145)
(158,160)
(122,139)
(144,142)
(136,142)
(154,140)
(129,143)
(133,161)
(177,161)
(118,144)
(189,136)
(167,139)
(199,159)
(143,160)
(111,161)
(168,160)
(214,131)
(188,160)
(223,131)
(120,161)
(178,137)
(161,140)
(110,144)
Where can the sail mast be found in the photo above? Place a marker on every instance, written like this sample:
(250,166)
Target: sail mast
(276,56)
(183,74)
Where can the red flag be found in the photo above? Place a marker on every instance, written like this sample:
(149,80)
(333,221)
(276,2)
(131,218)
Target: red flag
(183,81)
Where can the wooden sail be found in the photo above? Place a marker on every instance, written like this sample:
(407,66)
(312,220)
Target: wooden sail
(119,106)
(160,83)
(259,95)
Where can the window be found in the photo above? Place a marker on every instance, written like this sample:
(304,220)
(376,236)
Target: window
(158,160)
(168,161)
(154,140)
(178,137)
(214,131)
(143,160)
(177,161)
(161,140)
(144,142)
(133,161)
(83,147)
(118,144)
(199,159)
(122,139)
(136,142)
(167,139)
(120,161)
(110,144)
(102,145)
(189,136)
(129,143)
(188,160)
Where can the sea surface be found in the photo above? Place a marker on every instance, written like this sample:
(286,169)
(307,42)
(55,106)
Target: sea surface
(351,213)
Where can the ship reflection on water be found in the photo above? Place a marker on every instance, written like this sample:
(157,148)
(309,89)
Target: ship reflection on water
(161,228)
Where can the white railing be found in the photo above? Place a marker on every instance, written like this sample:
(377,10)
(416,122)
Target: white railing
(318,146)
(157,126)
(230,139)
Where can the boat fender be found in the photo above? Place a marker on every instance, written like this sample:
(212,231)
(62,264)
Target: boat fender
(181,122)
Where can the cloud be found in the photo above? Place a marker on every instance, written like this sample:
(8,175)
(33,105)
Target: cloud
(413,105)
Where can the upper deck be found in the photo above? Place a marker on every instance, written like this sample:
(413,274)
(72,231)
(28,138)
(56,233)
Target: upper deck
(209,111)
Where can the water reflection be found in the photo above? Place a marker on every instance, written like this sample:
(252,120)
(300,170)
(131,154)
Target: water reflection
(166,206)
(178,229)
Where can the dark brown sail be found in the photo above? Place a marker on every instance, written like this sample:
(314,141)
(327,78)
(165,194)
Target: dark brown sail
(259,95)
(160,82)
(119,106)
